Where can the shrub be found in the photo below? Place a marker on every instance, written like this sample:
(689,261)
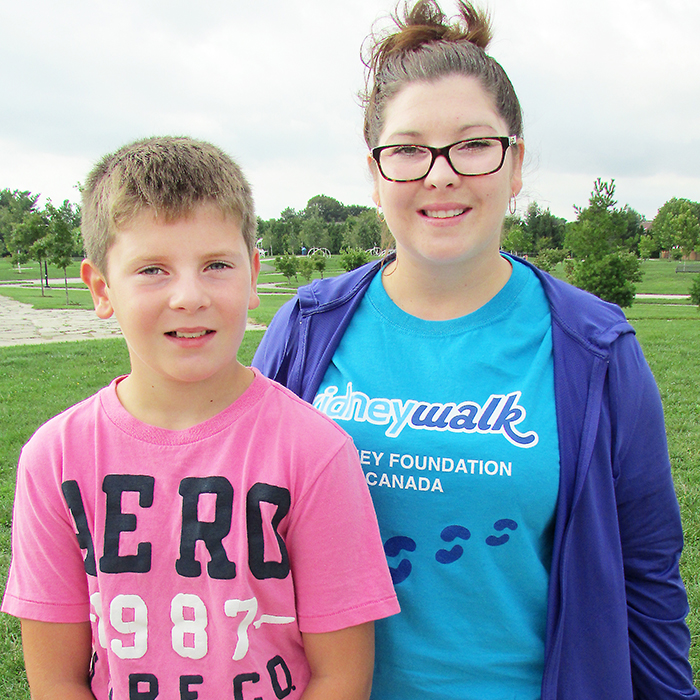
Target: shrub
(306,268)
(351,258)
(695,291)
(609,277)
(320,263)
(287,265)
(548,258)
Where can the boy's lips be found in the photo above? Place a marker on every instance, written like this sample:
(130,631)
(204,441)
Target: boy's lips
(186,333)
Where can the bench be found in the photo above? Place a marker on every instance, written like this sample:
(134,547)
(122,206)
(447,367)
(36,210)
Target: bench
(688,267)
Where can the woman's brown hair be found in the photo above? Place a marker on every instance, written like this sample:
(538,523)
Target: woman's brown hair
(426,46)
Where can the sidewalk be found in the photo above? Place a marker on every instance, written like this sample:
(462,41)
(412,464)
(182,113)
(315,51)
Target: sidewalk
(20,324)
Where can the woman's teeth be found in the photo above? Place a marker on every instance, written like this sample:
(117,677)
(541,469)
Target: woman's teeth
(444,214)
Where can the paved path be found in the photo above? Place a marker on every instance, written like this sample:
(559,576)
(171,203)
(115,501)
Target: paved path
(20,324)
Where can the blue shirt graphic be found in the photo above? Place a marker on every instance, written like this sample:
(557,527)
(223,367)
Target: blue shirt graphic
(456,429)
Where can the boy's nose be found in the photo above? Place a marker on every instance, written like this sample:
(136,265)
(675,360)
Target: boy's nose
(189,294)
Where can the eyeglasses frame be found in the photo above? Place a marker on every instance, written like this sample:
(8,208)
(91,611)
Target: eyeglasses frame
(505,141)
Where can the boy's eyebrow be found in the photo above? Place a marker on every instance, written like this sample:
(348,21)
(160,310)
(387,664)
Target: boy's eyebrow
(145,258)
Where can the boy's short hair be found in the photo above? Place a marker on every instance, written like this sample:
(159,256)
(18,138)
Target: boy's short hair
(168,176)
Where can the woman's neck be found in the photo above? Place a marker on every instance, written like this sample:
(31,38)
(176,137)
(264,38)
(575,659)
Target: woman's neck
(443,292)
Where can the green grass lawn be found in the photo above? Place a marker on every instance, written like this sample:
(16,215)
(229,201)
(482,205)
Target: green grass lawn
(30,271)
(660,277)
(36,382)
(672,348)
(54,298)
(269,304)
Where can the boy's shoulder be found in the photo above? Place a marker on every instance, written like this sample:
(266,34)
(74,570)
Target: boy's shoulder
(74,420)
(293,407)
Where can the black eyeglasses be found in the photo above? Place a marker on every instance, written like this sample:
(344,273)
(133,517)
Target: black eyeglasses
(410,162)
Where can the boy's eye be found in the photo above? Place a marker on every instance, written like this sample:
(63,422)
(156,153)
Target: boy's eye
(152,270)
(219,265)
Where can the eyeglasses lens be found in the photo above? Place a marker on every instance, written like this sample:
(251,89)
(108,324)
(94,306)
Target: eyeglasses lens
(472,157)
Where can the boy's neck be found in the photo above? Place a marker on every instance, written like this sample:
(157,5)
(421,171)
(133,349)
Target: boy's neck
(181,405)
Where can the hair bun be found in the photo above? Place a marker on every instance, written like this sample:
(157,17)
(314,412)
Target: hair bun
(472,25)
(425,23)
(424,44)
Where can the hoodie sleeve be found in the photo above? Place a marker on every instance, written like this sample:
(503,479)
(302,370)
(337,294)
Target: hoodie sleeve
(651,533)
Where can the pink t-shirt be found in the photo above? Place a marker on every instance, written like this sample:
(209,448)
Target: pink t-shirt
(202,554)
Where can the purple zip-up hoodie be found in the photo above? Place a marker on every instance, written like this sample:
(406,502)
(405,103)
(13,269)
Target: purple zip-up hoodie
(616,604)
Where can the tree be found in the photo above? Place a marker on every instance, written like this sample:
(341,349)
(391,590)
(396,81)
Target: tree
(599,228)
(314,233)
(647,246)
(548,258)
(363,231)
(610,277)
(322,224)
(28,241)
(635,229)
(319,263)
(516,238)
(544,229)
(677,226)
(599,241)
(336,234)
(13,207)
(306,268)
(287,265)
(325,208)
(63,223)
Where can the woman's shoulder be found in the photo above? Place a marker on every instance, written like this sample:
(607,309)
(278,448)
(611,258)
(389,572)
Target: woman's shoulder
(336,290)
(581,313)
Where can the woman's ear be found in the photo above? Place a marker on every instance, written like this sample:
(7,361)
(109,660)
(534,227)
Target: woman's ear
(99,289)
(516,178)
(372,164)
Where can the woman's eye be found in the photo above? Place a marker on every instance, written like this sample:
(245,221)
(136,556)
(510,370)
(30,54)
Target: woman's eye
(153,270)
(475,145)
(407,151)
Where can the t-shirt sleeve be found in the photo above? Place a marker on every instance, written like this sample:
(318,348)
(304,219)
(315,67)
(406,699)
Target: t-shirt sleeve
(341,576)
(47,578)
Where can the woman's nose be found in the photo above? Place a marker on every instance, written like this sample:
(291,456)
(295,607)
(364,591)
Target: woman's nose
(441,174)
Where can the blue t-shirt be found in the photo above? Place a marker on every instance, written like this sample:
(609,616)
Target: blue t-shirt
(456,429)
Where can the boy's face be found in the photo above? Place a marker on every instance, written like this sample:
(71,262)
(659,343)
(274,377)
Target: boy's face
(181,292)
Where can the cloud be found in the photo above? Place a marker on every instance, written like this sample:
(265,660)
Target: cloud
(606,90)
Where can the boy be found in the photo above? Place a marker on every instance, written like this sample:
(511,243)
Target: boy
(193,530)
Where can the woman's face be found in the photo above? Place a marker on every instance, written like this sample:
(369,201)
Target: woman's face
(446,218)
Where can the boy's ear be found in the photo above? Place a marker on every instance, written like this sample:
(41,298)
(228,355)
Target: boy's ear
(99,290)
(254,300)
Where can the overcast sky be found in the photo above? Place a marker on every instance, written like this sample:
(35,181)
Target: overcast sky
(609,88)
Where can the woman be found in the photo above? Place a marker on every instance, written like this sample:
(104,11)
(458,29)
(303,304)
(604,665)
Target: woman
(510,429)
